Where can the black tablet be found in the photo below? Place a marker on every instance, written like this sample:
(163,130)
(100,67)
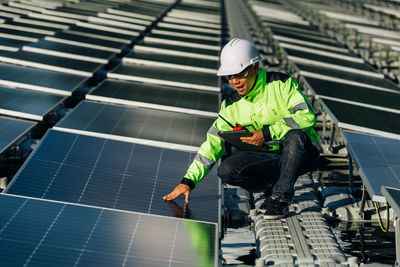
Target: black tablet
(233,138)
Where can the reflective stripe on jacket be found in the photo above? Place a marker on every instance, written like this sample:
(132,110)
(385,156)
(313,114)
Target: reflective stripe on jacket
(275,104)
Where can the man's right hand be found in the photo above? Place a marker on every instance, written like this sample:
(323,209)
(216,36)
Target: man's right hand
(179,190)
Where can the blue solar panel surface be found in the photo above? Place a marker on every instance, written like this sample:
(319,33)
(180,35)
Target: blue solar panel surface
(45,233)
(377,159)
(142,123)
(43,79)
(11,130)
(392,196)
(29,102)
(114,174)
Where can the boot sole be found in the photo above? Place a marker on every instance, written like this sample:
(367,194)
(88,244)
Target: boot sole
(275,217)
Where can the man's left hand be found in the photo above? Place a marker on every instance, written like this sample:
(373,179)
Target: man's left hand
(256,139)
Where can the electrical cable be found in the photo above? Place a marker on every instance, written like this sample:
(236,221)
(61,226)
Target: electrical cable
(380,219)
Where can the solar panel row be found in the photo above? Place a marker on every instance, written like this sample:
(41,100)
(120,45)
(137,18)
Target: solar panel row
(355,94)
(97,195)
(352,92)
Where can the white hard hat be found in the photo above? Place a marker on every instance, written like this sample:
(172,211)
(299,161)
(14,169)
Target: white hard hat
(237,55)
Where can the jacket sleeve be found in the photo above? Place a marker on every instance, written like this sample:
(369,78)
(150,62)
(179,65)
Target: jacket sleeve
(209,152)
(299,115)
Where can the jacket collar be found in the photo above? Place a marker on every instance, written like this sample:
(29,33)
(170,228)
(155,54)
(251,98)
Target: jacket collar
(261,78)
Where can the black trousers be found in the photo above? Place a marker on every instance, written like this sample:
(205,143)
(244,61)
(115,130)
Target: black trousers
(260,171)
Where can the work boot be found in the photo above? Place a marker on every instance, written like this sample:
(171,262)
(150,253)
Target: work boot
(275,209)
(267,195)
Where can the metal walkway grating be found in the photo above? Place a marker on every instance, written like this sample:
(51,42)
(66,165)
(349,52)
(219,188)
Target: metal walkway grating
(303,238)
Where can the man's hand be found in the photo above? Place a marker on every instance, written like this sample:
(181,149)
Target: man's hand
(256,139)
(179,190)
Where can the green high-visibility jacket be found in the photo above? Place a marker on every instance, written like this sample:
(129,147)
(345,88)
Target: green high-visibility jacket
(275,105)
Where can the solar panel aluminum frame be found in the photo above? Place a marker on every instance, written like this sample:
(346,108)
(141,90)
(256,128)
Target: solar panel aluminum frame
(215,241)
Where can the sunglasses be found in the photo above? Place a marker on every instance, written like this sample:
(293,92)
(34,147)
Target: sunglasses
(240,75)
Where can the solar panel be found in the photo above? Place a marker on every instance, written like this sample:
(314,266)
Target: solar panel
(39,80)
(45,233)
(304,37)
(12,44)
(149,9)
(32,27)
(286,41)
(159,58)
(20,32)
(69,50)
(82,31)
(48,62)
(113,174)
(208,31)
(153,127)
(87,41)
(197,39)
(293,26)
(172,47)
(377,97)
(11,130)
(27,104)
(377,160)
(363,119)
(327,59)
(207,10)
(392,195)
(345,75)
(156,96)
(76,10)
(167,76)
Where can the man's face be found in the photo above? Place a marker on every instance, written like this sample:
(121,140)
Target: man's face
(244,81)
